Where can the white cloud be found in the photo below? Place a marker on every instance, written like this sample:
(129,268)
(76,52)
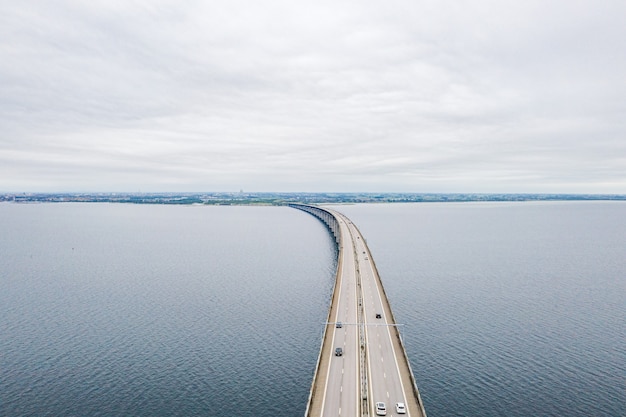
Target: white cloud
(313,96)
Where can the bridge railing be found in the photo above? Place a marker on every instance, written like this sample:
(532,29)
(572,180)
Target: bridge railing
(333,226)
(396,331)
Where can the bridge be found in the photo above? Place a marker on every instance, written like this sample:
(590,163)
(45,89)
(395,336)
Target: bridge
(372,366)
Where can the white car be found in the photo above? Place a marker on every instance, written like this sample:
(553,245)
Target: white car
(400,408)
(381,410)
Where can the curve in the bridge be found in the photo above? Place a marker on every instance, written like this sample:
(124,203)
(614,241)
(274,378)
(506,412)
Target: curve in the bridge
(373,366)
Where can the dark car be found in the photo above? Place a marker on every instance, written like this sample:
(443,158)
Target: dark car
(338,352)
(379,316)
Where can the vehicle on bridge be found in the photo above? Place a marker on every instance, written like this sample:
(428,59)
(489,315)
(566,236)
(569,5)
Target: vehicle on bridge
(373,372)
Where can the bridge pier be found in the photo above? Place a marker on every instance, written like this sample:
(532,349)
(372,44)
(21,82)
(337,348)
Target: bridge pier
(327,218)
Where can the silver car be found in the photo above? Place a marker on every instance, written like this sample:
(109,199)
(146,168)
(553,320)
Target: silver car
(381,409)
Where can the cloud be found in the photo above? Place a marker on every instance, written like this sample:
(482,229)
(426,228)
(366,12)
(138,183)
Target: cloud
(312,96)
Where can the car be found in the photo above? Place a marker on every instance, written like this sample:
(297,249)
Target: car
(400,408)
(338,351)
(381,409)
(366,258)
(379,316)
(338,325)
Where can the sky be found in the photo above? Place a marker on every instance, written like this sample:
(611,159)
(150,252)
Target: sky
(313,96)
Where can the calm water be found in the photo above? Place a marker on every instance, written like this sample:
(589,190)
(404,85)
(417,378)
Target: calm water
(128,310)
(510,309)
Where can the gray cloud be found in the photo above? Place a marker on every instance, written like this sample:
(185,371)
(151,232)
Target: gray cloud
(313,96)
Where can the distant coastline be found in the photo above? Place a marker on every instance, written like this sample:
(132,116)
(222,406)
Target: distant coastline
(278,199)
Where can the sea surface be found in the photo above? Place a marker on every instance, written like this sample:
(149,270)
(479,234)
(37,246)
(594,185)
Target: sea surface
(148,310)
(508,309)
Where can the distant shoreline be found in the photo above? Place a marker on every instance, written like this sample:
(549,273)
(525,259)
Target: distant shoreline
(279,199)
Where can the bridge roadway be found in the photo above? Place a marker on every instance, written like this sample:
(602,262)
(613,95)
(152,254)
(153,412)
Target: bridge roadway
(373,367)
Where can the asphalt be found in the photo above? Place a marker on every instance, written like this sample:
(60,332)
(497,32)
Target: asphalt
(374,366)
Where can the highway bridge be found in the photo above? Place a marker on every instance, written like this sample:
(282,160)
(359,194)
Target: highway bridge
(372,366)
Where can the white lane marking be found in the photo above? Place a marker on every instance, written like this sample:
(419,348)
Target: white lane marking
(393,351)
(332,340)
(384,316)
(356,339)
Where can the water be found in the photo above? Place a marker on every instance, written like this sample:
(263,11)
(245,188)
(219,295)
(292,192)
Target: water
(509,309)
(120,310)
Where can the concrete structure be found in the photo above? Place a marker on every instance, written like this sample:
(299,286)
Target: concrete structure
(373,366)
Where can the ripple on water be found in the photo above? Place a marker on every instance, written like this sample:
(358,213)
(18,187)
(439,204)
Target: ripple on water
(509,309)
(148,310)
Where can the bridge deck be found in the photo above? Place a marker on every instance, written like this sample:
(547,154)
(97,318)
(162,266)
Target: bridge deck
(373,366)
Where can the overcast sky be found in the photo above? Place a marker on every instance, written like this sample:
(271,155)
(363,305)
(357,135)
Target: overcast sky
(415,96)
